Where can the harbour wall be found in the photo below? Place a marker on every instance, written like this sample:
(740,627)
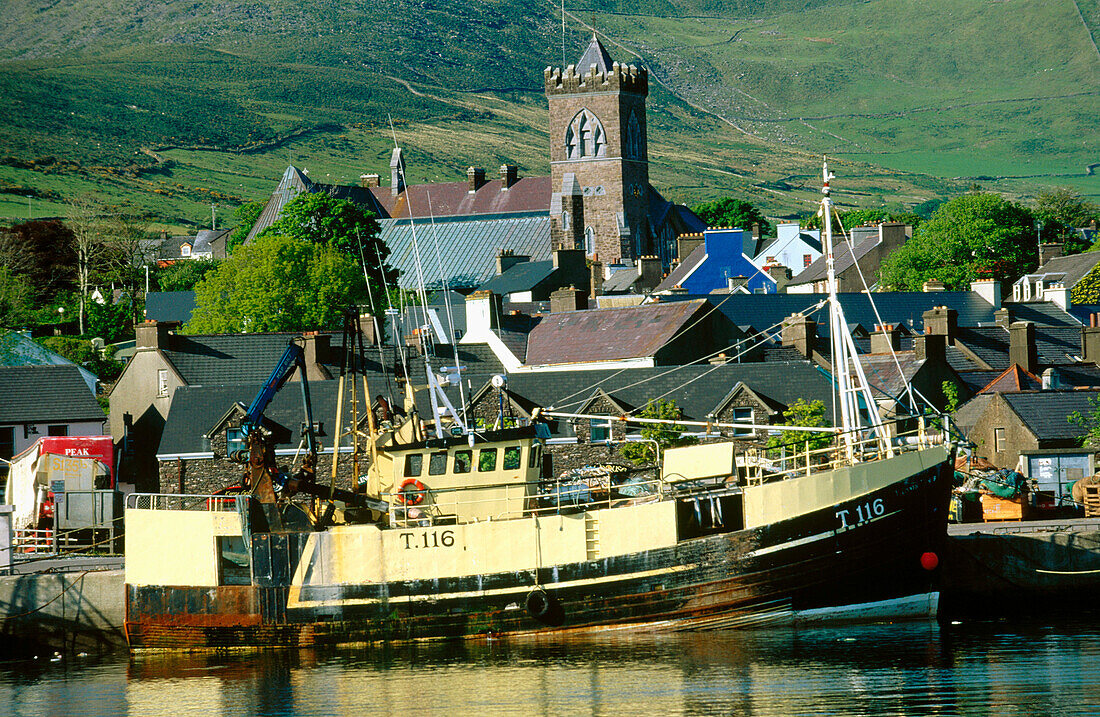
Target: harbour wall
(67,612)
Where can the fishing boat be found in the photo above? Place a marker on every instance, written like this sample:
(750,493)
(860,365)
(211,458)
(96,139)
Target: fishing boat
(459,533)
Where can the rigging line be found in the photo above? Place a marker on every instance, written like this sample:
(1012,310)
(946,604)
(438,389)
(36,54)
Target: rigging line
(874,307)
(374,315)
(450,314)
(412,226)
(398,341)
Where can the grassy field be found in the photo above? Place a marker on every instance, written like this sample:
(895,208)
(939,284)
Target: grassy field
(173,106)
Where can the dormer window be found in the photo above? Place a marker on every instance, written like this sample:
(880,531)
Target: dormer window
(185,250)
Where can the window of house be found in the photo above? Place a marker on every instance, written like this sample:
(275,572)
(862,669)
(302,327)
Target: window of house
(463,461)
(487,460)
(437,464)
(162,382)
(998,440)
(414,464)
(806,260)
(234,440)
(599,430)
(57,430)
(511,458)
(745,415)
(185,250)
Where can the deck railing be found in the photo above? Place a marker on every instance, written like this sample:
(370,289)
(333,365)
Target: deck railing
(186,501)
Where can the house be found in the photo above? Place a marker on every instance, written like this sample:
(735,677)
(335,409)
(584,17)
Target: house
(45,400)
(1056,279)
(519,279)
(792,247)
(716,264)
(163,361)
(862,253)
(597,198)
(206,244)
(17,349)
(659,334)
(1005,425)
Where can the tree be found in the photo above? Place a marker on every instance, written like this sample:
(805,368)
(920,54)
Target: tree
(864,217)
(974,236)
(41,252)
(731,212)
(246,215)
(666,435)
(91,250)
(1062,210)
(802,413)
(16,300)
(325,220)
(184,275)
(277,284)
(1089,424)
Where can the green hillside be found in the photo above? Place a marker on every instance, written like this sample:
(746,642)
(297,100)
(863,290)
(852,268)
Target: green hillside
(176,105)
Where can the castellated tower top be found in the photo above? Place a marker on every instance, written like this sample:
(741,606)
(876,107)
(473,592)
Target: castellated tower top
(595,72)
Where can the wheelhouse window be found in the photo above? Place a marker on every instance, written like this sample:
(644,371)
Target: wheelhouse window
(437,464)
(487,460)
(463,461)
(414,464)
(512,458)
(234,563)
(534,455)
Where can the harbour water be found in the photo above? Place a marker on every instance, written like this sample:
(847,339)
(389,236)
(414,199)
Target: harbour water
(1000,668)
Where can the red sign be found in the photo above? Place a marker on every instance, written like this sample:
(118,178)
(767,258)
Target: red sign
(102,448)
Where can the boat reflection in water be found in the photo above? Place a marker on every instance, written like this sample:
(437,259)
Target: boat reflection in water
(913,668)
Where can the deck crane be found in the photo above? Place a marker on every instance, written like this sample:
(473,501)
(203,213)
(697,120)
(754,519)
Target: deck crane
(262,478)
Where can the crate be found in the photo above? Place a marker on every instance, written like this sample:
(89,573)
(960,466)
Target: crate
(994,508)
(1092,501)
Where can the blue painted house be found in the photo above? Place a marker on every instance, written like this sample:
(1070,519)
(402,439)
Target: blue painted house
(712,264)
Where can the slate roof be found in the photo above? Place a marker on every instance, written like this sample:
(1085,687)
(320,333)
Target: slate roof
(293,182)
(904,307)
(1055,345)
(219,359)
(170,306)
(1068,269)
(523,276)
(1081,374)
(621,281)
(975,380)
(594,55)
(46,394)
(469,246)
(690,263)
(1013,378)
(19,350)
(1041,312)
(817,270)
(697,389)
(1046,413)
(607,334)
(883,375)
(454,199)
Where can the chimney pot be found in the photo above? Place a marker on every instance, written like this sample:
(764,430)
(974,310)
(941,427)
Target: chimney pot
(475,178)
(509,175)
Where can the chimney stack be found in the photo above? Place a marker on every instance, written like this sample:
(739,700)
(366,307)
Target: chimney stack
(988,289)
(397,172)
(800,331)
(366,181)
(509,175)
(366,329)
(930,347)
(933,285)
(506,259)
(568,299)
(1021,346)
(885,339)
(941,321)
(596,277)
(1090,341)
(1003,318)
(475,179)
(151,335)
(1049,251)
(649,270)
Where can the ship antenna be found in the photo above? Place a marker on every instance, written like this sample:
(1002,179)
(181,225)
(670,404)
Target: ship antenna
(850,389)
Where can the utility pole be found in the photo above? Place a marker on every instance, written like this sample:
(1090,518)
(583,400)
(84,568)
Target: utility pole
(213,218)
(1039,240)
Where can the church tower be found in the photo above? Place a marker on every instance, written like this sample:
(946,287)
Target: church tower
(598,157)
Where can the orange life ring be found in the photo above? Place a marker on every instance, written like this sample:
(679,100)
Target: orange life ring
(415,496)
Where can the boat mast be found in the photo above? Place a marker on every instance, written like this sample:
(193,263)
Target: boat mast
(850,389)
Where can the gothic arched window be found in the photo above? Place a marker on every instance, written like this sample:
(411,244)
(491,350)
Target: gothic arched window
(585,137)
(589,241)
(633,148)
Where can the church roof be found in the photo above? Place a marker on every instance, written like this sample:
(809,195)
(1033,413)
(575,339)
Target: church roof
(594,55)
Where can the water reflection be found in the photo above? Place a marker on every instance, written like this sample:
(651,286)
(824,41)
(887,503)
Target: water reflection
(914,669)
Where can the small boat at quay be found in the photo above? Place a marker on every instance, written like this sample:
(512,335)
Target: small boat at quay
(458,533)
